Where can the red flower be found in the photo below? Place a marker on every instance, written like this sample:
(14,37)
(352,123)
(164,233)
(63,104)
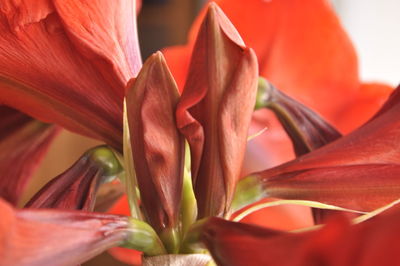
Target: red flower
(76,70)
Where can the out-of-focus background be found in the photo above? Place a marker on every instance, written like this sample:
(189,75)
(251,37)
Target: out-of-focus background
(373,26)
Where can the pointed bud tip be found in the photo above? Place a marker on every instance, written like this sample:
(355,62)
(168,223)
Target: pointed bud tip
(157,57)
(215,17)
(213,7)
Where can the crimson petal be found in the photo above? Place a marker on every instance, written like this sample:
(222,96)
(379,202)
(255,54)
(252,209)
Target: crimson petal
(364,164)
(157,145)
(54,237)
(307,130)
(76,188)
(337,244)
(23,143)
(215,110)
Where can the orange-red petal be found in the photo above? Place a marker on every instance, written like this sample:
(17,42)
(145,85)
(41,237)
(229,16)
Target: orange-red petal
(337,244)
(359,170)
(57,71)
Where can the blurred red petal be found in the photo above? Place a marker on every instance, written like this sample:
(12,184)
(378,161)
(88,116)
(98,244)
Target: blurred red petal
(23,143)
(76,188)
(306,129)
(370,98)
(53,237)
(315,66)
(128,256)
(51,71)
(337,244)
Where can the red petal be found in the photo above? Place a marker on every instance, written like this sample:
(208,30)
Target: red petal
(337,244)
(306,129)
(48,237)
(23,143)
(317,65)
(360,187)
(157,145)
(223,75)
(363,164)
(369,99)
(50,71)
(375,142)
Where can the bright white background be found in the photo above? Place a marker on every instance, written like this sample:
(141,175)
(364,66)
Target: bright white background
(374,27)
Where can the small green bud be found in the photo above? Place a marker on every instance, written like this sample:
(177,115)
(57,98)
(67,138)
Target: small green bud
(143,238)
(105,158)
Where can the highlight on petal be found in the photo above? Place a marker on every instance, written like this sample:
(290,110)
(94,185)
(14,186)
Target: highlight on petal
(49,237)
(360,187)
(23,143)
(62,67)
(76,188)
(359,171)
(157,145)
(104,30)
(215,110)
(370,243)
